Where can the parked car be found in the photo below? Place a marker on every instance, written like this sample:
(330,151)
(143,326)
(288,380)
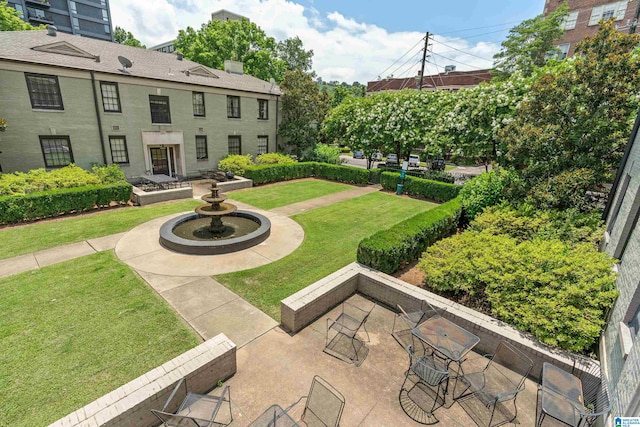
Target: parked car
(358,154)
(377,156)
(392,159)
(414,160)
(438,164)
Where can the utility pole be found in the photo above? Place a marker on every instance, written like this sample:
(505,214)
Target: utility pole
(424,58)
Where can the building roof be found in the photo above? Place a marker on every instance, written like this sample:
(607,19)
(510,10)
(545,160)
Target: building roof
(452,80)
(83,53)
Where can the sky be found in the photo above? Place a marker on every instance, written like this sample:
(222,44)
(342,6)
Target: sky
(352,40)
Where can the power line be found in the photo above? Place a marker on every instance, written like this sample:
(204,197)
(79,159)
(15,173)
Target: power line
(466,53)
(400,59)
(481,28)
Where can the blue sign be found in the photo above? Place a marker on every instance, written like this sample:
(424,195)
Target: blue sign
(626,422)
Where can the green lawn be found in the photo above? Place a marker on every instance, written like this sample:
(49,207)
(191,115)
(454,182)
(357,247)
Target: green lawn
(274,196)
(75,331)
(332,234)
(48,234)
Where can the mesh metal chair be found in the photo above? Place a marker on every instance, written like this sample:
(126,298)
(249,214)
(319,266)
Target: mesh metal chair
(196,410)
(324,405)
(425,371)
(501,380)
(347,325)
(595,392)
(409,317)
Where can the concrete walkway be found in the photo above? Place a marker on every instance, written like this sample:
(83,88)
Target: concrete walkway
(329,199)
(184,281)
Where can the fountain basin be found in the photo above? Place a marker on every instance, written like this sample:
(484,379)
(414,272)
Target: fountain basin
(221,245)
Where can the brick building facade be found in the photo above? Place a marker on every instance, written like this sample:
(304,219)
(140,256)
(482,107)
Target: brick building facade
(585,15)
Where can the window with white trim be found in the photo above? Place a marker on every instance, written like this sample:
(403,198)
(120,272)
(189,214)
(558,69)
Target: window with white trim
(615,10)
(263,109)
(110,97)
(44,91)
(569,21)
(563,51)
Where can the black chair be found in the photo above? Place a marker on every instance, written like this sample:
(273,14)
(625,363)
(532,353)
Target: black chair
(346,326)
(425,372)
(196,410)
(501,380)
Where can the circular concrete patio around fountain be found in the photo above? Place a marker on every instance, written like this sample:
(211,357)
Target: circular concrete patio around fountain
(141,249)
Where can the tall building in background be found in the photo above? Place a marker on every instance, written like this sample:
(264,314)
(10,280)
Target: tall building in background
(584,16)
(89,18)
(220,15)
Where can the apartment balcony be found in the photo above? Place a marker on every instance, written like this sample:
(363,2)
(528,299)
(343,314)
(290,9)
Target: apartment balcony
(39,16)
(43,4)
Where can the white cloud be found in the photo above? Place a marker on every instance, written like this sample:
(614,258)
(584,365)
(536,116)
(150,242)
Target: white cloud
(344,49)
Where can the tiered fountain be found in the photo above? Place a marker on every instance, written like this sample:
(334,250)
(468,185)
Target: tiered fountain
(215,228)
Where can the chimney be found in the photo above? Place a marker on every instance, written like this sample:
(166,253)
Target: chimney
(52,31)
(179,55)
(233,67)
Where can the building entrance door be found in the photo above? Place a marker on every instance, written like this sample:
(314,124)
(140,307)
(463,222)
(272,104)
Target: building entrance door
(159,160)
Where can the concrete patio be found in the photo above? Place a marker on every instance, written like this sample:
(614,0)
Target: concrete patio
(277,368)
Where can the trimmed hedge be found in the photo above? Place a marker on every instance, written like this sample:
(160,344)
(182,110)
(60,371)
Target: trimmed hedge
(266,174)
(432,190)
(405,242)
(55,202)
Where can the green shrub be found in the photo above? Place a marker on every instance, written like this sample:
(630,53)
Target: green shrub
(558,292)
(273,159)
(404,242)
(265,174)
(438,176)
(488,189)
(345,150)
(235,163)
(71,176)
(565,190)
(109,174)
(324,153)
(55,202)
(348,174)
(432,190)
(374,175)
(528,223)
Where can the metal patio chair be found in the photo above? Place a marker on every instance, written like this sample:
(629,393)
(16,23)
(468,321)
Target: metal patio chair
(501,380)
(196,410)
(347,325)
(595,394)
(408,318)
(425,371)
(324,405)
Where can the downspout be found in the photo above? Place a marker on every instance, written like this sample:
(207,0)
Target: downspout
(95,103)
(277,108)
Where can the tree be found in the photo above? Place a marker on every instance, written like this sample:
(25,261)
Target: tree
(293,54)
(122,36)
(303,110)
(578,114)
(218,41)
(529,43)
(10,20)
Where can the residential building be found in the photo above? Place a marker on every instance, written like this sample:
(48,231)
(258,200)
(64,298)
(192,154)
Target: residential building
(79,100)
(448,80)
(585,15)
(221,15)
(89,18)
(620,343)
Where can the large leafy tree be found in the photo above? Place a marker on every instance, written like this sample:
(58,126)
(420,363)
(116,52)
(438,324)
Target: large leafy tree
(303,110)
(122,36)
(218,41)
(530,43)
(10,20)
(292,52)
(579,113)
